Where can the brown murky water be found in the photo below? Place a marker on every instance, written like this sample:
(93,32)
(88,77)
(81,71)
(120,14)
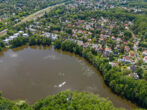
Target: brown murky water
(31,73)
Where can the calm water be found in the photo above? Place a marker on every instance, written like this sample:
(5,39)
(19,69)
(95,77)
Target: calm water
(31,73)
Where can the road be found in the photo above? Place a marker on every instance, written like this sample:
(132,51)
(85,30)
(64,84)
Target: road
(135,47)
(3,32)
(33,16)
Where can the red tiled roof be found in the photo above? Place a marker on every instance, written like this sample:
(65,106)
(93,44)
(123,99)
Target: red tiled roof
(101,35)
(69,25)
(118,38)
(101,49)
(132,54)
(101,38)
(127,48)
(127,58)
(107,49)
(126,24)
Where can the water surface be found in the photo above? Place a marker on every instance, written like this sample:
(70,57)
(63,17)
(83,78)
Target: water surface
(31,73)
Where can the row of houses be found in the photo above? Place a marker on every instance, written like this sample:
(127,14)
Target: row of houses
(20,33)
(52,36)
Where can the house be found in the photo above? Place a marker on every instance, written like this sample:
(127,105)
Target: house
(125,60)
(80,31)
(113,38)
(16,34)
(86,45)
(72,40)
(6,41)
(101,39)
(100,49)
(145,59)
(117,47)
(21,32)
(90,33)
(80,22)
(80,43)
(113,64)
(118,40)
(91,28)
(74,35)
(89,40)
(67,21)
(95,46)
(144,53)
(25,35)
(54,37)
(124,43)
(106,36)
(131,54)
(127,48)
(126,25)
(47,34)
(74,30)
(88,27)
(102,24)
(11,38)
(32,30)
(101,35)
(134,75)
(69,25)
(51,35)
(109,50)
(130,23)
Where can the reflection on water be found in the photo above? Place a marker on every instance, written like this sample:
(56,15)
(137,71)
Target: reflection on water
(31,73)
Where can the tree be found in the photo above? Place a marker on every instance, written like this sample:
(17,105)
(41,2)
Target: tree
(139,62)
(2,25)
(19,41)
(32,41)
(139,71)
(10,32)
(69,31)
(127,35)
(57,44)
(145,75)
(2,44)
(78,101)
(126,71)
(68,46)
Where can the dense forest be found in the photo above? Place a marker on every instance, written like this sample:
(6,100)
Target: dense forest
(62,101)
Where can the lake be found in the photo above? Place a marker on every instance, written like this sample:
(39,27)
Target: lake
(32,73)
